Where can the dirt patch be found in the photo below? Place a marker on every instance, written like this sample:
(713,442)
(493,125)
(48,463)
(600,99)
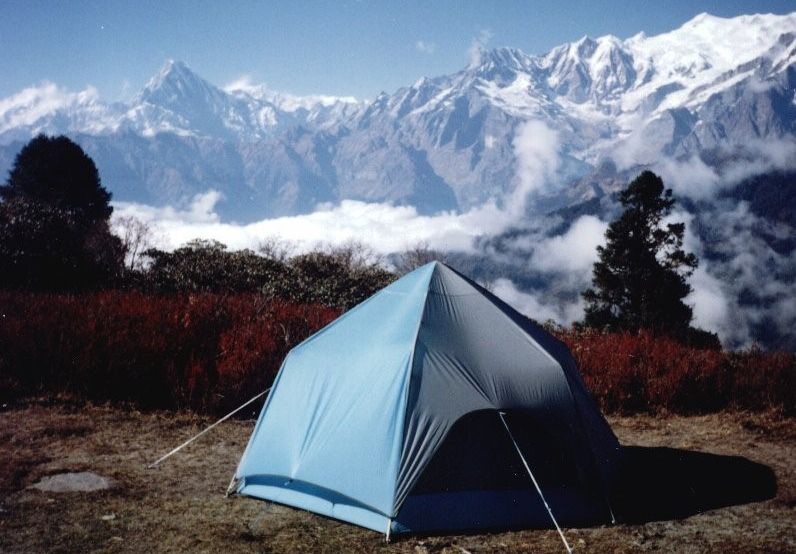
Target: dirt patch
(180,507)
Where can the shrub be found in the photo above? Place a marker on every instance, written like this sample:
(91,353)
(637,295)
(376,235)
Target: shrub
(211,352)
(207,352)
(638,372)
(207,266)
(336,277)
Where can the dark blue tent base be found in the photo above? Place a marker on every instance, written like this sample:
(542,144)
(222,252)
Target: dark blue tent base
(465,511)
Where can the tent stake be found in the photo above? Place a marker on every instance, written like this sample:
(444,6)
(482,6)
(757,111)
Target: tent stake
(189,441)
(535,484)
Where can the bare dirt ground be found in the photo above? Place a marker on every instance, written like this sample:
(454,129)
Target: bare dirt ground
(180,507)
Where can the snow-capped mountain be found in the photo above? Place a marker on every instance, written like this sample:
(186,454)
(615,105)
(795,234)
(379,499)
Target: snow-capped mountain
(704,93)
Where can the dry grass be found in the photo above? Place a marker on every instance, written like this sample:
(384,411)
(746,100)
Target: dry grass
(180,507)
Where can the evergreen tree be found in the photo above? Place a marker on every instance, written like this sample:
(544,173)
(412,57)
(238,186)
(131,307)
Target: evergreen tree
(639,281)
(54,221)
(55,171)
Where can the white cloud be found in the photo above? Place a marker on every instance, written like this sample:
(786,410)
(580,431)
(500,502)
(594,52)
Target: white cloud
(244,83)
(710,304)
(574,251)
(691,178)
(477,47)
(536,149)
(540,306)
(384,227)
(31,104)
(425,46)
(126,88)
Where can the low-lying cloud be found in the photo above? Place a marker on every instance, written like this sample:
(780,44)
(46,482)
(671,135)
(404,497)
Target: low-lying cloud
(691,177)
(384,227)
(539,305)
(575,251)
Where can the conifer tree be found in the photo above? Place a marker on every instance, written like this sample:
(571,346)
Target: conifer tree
(640,281)
(54,221)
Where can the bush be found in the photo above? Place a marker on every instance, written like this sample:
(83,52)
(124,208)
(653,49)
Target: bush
(206,352)
(336,277)
(207,266)
(638,372)
(327,279)
(211,352)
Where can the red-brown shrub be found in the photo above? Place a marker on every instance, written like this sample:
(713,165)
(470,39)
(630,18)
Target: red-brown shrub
(629,372)
(211,352)
(202,351)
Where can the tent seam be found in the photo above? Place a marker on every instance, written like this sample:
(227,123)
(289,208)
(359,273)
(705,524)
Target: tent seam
(411,366)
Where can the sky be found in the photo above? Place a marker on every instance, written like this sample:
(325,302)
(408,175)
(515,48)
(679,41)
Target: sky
(344,47)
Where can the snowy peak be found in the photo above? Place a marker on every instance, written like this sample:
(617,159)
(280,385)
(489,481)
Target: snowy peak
(594,69)
(504,58)
(174,82)
(287,102)
(177,100)
(710,43)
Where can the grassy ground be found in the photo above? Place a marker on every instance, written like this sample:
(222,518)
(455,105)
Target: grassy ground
(180,507)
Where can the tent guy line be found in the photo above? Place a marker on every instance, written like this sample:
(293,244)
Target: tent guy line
(200,433)
(535,484)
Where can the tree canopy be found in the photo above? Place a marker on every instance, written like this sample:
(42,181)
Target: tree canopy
(640,279)
(57,172)
(54,220)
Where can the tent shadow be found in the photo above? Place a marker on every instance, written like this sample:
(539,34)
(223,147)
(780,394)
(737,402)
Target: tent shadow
(658,483)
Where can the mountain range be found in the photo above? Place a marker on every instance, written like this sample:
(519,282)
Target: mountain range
(711,89)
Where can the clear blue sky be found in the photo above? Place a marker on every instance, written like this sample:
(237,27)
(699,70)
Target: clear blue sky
(340,47)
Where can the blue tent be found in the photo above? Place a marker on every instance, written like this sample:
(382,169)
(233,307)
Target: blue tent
(395,417)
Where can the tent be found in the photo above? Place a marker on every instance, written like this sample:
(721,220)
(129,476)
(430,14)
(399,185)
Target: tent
(417,410)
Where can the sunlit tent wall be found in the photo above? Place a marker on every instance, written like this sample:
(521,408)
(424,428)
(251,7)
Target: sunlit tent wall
(390,418)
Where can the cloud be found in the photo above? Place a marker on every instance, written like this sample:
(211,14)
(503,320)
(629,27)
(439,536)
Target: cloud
(33,103)
(711,306)
(126,88)
(742,282)
(539,305)
(477,46)
(384,227)
(536,150)
(573,252)
(425,47)
(244,83)
(693,178)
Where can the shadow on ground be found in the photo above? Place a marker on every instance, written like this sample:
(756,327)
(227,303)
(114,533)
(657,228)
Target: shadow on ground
(670,483)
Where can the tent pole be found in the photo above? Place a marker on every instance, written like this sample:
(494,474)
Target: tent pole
(535,484)
(200,433)
(389,528)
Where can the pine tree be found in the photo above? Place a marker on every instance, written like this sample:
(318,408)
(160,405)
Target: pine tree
(640,281)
